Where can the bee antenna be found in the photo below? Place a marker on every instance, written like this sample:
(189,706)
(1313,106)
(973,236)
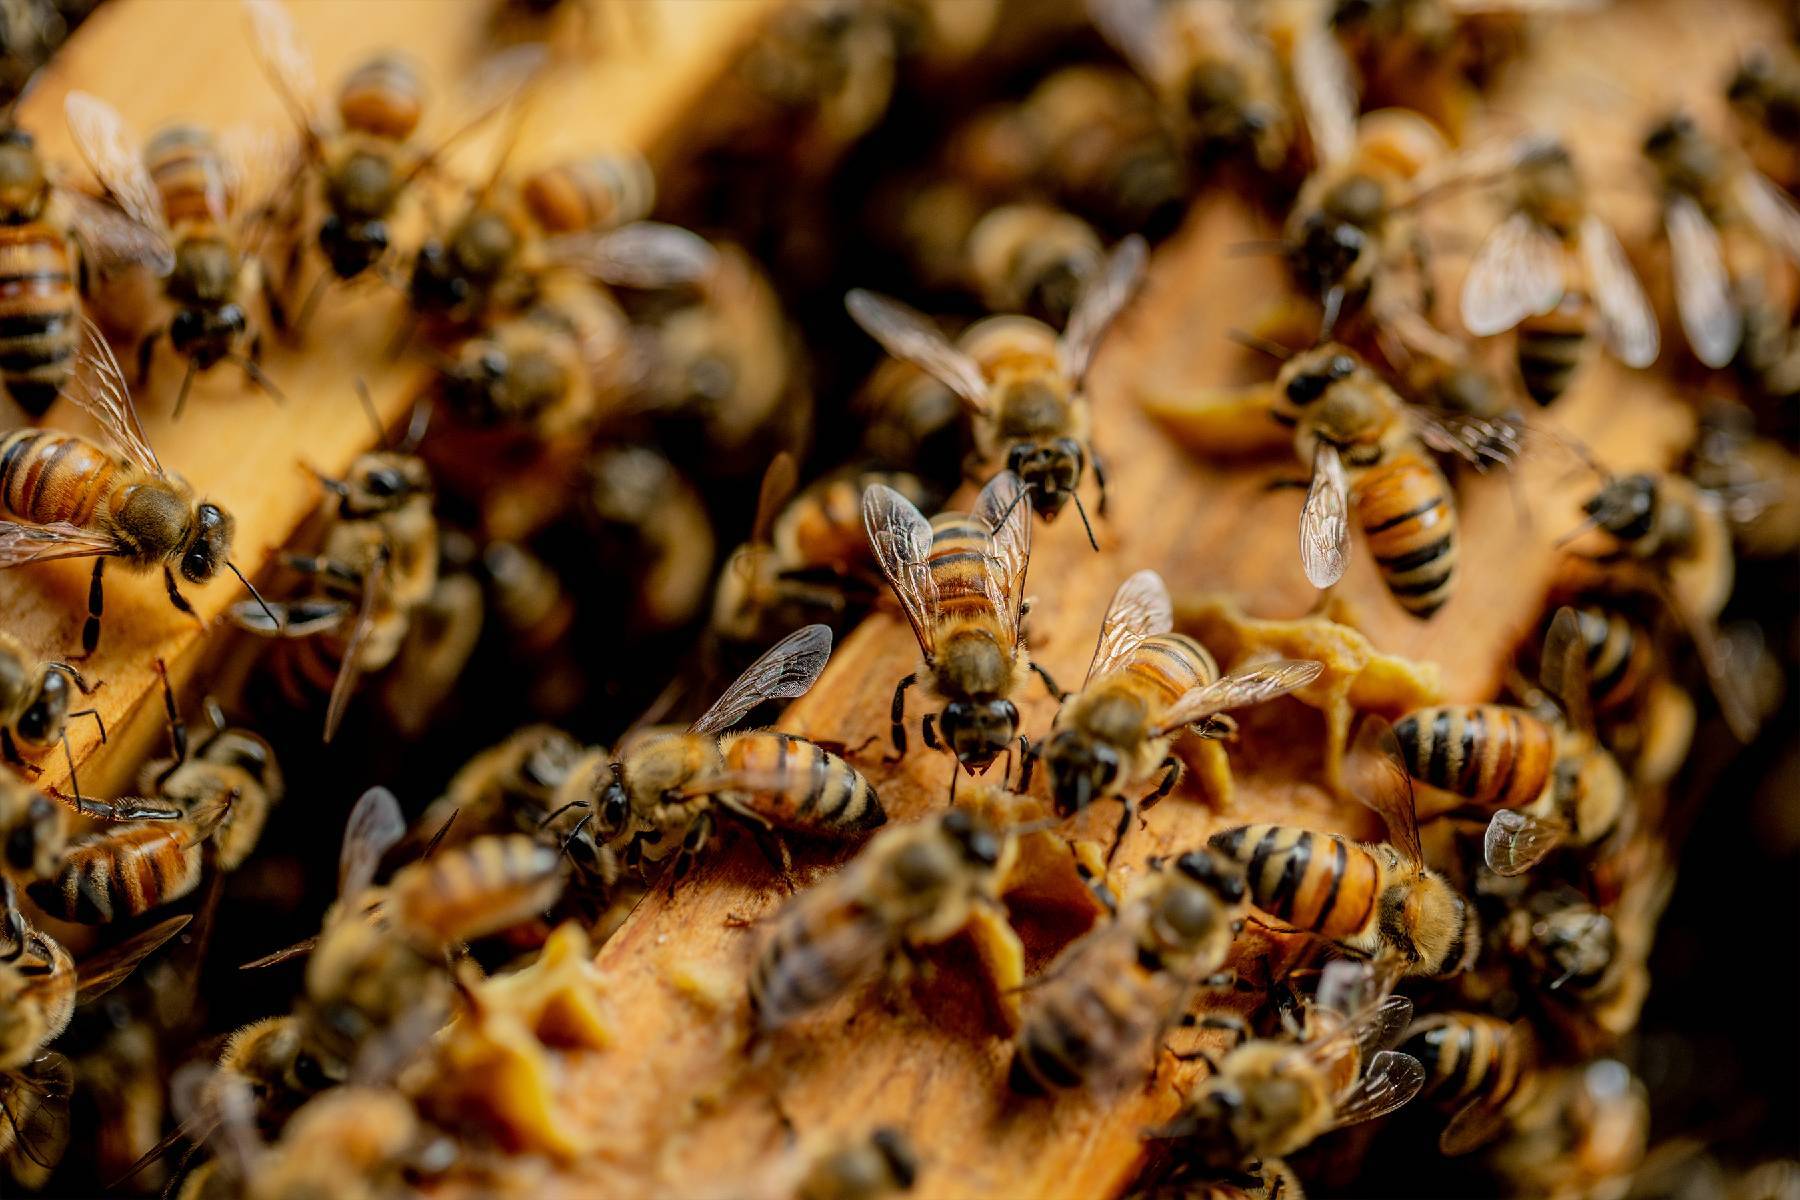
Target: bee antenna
(1260,344)
(1586,524)
(439,835)
(1082,512)
(1334,305)
(187,381)
(254,594)
(74,784)
(336,487)
(1024,490)
(255,374)
(368,406)
(416,425)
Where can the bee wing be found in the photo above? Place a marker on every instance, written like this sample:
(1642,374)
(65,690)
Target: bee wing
(1389,1081)
(1325,520)
(98,388)
(1517,273)
(905,333)
(375,827)
(301,619)
(786,669)
(1564,672)
(901,540)
(21,544)
(101,972)
(284,56)
(1376,774)
(1627,321)
(1771,210)
(778,483)
(303,946)
(1327,90)
(114,156)
(643,254)
(1100,303)
(350,668)
(1001,506)
(40,1121)
(1140,609)
(1135,29)
(1702,288)
(1481,441)
(1515,842)
(1348,987)
(113,240)
(260,166)
(1245,688)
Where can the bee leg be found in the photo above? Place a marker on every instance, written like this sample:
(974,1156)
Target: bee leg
(272,301)
(928,729)
(1027,759)
(1099,481)
(90,630)
(897,717)
(146,353)
(1127,810)
(74,677)
(177,599)
(955,775)
(10,750)
(1102,892)
(1171,773)
(691,845)
(780,859)
(1056,693)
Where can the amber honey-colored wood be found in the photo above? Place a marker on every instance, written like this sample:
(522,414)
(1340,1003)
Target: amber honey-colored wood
(157,60)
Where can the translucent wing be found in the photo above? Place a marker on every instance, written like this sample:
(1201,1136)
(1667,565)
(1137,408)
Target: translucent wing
(1481,441)
(21,544)
(284,57)
(104,970)
(1103,300)
(1376,774)
(350,665)
(1771,210)
(1134,28)
(1517,273)
(114,156)
(375,827)
(501,78)
(1627,322)
(1001,506)
(1140,608)
(901,540)
(1378,1026)
(906,334)
(1346,986)
(787,669)
(1327,91)
(113,241)
(643,254)
(1516,842)
(37,1107)
(303,946)
(1710,320)
(777,485)
(1325,520)
(1390,1080)
(1253,686)
(301,619)
(1564,672)
(98,388)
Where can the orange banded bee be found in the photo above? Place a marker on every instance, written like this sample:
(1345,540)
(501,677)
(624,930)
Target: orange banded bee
(1144,686)
(1552,267)
(960,579)
(1480,1065)
(62,496)
(1020,381)
(123,871)
(670,787)
(1378,900)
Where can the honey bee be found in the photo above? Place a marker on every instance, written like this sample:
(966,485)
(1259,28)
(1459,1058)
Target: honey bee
(1714,202)
(1033,259)
(1020,381)
(1482,1066)
(1108,1001)
(1756,481)
(1375,900)
(912,886)
(882,1164)
(911,420)
(1270,1097)
(1644,718)
(1144,685)
(1551,268)
(641,504)
(1764,93)
(960,579)
(63,496)
(51,236)
(1269,1179)
(672,786)
(125,870)
(40,987)
(181,185)
(1584,1134)
(35,699)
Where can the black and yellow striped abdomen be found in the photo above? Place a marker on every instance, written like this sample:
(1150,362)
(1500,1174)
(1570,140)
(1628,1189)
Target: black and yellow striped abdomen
(1467,1056)
(804,786)
(475,889)
(123,871)
(188,169)
(384,97)
(1167,666)
(46,477)
(1621,662)
(1492,755)
(813,957)
(596,192)
(959,566)
(1549,346)
(1404,507)
(39,313)
(1319,882)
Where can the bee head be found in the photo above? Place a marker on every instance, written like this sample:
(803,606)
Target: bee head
(1432,926)
(436,286)
(1223,878)
(1625,507)
(613,809)
(1327,251)
(974,840)
(353,246)
(381,482)
(1050,472)
(208,544)
(978,730)
(1081,768)
(41,723)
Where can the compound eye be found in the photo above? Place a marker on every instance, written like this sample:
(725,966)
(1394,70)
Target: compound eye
(1341,366)
(1304,389)
(1015,458)
(195,564)
(385,483)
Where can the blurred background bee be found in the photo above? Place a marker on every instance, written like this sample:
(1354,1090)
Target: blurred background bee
(1480,1066)
(34,702)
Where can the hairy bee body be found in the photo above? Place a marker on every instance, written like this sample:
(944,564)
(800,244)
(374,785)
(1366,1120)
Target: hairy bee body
(37,998)
(1492,755)
(382,97)
(1123,708)
(1031,258)
(208,283)
(48,477)
(40,312)
(232,763)
(488,884)
(123,871)
(974,657)
(1551,345)
(1036,407)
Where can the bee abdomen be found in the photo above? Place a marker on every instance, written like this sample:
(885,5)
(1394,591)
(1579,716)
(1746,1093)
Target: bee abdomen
(1492,755)
(1406,513)
(1550,346)
(1620,661)
(1172,664)
(1464,1055)
(1318,882)
(478,888)
(383,97)
(817,791)
(798,971)
(47,477)
(125,871)
(596,192)
(189,172)
(1075,1033)
(38,313)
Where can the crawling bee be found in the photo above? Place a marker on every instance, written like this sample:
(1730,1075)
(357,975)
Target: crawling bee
(181,185)
(1145,685)
(62,496)
(1108,1001)
(35,699)
(1584,1134)
(1481,1066)
(672,786)
(1271,1097)
(1020,381)
(1377,900)
(1551,268)
(648,515)
(910,887)
(125,870)
(960,579)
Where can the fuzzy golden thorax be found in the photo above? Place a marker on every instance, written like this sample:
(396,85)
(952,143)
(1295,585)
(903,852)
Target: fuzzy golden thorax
(1420,918)
(975,676)
(37,997)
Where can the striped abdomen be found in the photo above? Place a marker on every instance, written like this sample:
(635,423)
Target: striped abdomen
(383,97)
(960,545)
(189,172)
(818,952)
(480,887)
(1319,882)
(123,871)
(1493,755)
(1621,662)
(804,786)
(39,314)
(1550,346)
(1405,510)
(597,192)
(1467,1056)
(46,476)
(1094,1019)
(823,526)
(1167,666)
